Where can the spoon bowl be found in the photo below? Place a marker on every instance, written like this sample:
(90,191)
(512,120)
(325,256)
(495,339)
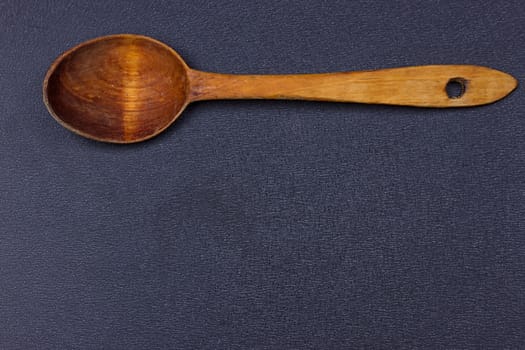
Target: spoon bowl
(121,88)
(128,88)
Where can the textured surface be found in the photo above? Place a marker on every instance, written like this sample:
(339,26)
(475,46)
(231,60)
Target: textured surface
(267,224)
(118,88)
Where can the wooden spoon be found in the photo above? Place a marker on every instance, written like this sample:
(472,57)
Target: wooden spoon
(128,88)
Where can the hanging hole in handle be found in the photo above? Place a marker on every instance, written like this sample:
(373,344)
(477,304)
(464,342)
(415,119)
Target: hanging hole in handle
(456,87)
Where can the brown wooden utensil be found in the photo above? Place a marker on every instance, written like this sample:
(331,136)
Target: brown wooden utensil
(128,88)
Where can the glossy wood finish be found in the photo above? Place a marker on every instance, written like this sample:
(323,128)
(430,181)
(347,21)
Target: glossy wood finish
(128,88)
(121,88)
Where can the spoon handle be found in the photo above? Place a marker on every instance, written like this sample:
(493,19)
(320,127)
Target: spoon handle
(419,86)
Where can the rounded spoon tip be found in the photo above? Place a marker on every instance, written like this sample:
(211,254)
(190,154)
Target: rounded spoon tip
(120,88)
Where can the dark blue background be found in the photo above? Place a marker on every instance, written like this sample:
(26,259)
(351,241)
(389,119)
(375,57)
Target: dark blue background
(267,224)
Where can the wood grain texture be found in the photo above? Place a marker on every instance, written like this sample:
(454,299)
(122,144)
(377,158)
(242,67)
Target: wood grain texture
(418,86)
(122,89)
(127,88)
